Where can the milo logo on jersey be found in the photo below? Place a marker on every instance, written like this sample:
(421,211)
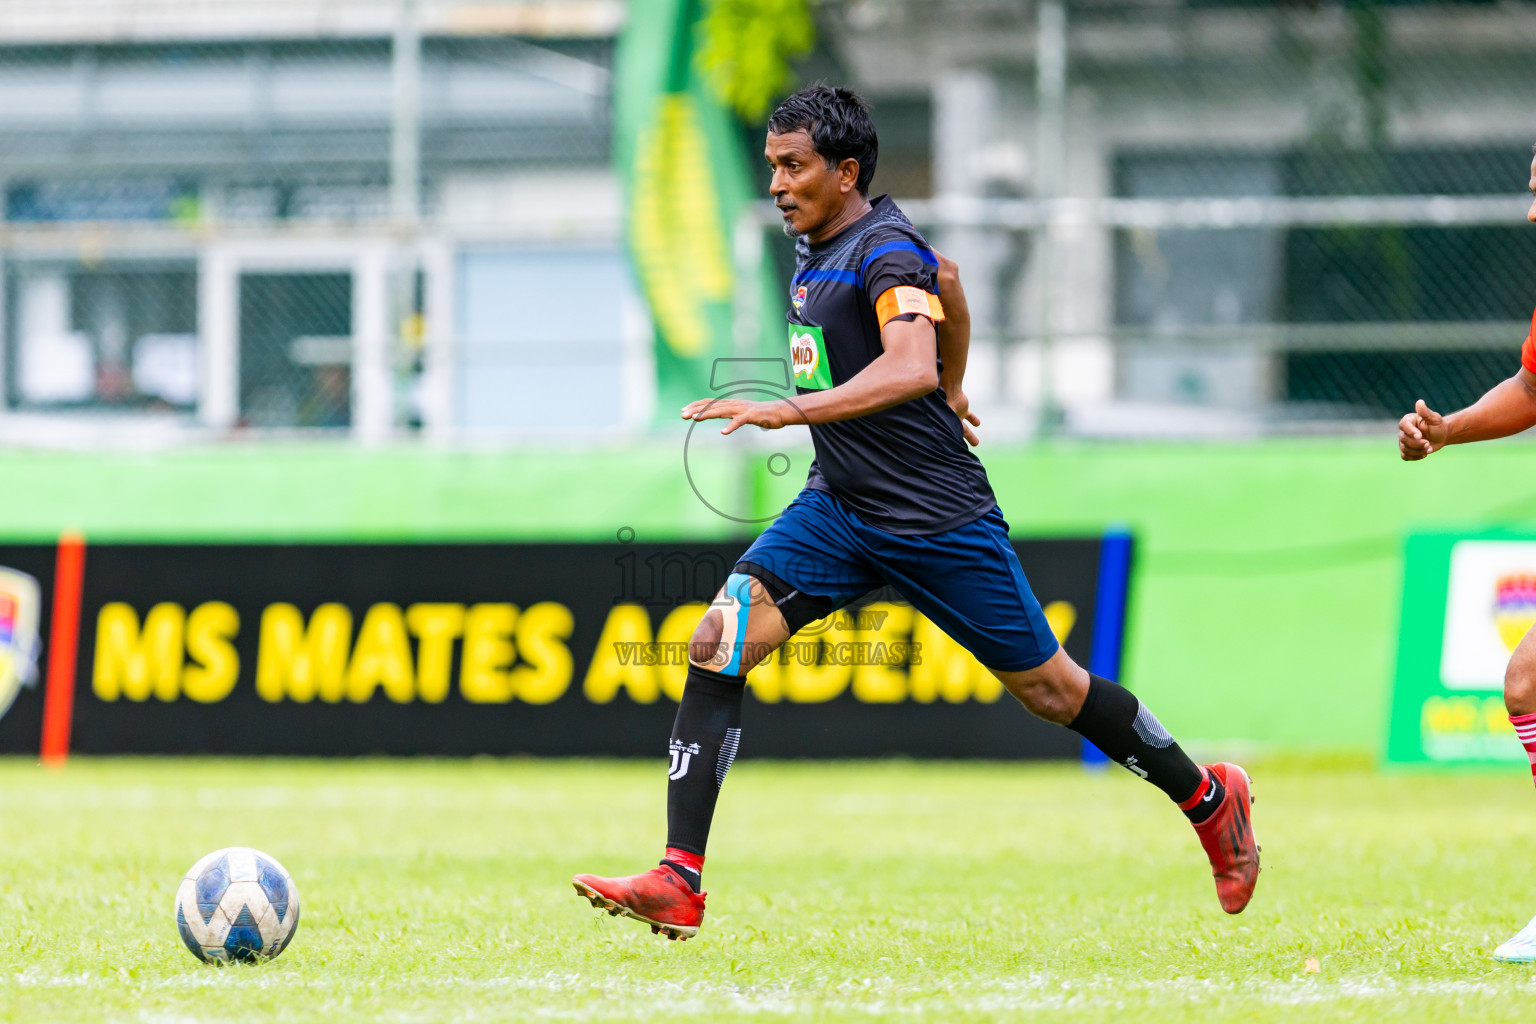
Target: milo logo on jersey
(808,352)
(20,611)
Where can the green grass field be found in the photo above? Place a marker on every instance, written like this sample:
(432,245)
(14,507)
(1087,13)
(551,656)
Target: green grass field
(438,891)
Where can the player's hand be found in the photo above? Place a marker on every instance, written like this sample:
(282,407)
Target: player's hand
(1421,433)
(768,415)
(961,403)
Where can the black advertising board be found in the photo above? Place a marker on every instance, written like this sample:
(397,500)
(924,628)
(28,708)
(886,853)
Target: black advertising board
(460,649)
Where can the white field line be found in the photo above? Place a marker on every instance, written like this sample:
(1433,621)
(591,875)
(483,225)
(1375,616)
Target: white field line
(321,797)
(875,996)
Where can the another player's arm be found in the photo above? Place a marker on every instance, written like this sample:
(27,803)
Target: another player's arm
(955,345)
(1507,408)
(907,369)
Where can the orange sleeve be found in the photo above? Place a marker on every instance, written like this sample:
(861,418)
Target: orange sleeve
(906,298)
(1528,350)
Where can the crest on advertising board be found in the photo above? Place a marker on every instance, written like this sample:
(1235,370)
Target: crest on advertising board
(21,603)
(1490,605)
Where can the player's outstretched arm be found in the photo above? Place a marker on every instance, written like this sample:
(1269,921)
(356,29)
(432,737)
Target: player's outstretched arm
(907,369)
(955,345)
(1508,408)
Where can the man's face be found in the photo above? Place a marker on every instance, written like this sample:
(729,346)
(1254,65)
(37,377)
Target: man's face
(808,193)
(1531,216)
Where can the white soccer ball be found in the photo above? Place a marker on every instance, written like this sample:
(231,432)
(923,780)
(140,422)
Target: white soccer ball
(237,904)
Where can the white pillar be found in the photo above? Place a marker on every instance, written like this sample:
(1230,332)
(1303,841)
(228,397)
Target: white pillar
(639,401)
(405,116)
(373,393)
(1050,180)
(965,102)
(6,338)
(405,196)
(218,328)
(1051,97)
(968,134)
(1083,374)
(437,379)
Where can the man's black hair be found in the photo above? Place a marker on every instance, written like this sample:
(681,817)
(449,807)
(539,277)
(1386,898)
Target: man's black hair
(838,123)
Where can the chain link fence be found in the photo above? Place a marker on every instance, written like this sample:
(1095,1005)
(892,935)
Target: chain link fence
(1182,217)
(1217,217)
(260,215)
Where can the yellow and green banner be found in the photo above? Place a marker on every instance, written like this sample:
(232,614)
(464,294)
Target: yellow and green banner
(688,181)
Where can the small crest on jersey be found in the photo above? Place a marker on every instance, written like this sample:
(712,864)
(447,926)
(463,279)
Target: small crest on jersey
(20,612)
(799,299)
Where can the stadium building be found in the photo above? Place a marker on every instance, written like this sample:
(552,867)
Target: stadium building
(200,228)
(291,215)
(1275,315)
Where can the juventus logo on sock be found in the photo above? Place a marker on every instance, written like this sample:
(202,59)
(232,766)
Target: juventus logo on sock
(682,753)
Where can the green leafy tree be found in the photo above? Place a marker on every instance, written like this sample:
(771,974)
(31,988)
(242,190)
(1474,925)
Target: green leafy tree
(746,46)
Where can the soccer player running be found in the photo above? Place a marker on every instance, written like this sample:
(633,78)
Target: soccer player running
(894,497)
(1508,408)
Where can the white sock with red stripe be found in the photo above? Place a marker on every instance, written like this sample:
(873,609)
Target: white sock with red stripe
(1525,728)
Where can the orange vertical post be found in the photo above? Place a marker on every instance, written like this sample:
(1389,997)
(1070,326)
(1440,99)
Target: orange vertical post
(63,647)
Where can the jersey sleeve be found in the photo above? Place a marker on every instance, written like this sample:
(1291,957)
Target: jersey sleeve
(1528,350)
(901,277)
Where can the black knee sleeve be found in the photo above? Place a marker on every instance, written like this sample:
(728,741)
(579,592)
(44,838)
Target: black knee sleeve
(798,608)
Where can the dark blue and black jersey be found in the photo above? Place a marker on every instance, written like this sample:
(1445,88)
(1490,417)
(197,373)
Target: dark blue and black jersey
(906,470)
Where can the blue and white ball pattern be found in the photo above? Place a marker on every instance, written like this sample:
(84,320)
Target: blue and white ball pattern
(237,904)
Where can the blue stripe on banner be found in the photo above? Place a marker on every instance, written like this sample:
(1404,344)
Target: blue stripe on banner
(1111,601)
(845,276)
(738,586)
(903,246)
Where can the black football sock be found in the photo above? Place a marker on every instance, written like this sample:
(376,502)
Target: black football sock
(705,736)
(1113,720)
(1206,799)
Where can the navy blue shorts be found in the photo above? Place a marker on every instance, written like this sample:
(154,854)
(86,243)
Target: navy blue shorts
(967,580)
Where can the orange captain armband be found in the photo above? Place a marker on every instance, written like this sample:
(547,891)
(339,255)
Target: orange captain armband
(904,299)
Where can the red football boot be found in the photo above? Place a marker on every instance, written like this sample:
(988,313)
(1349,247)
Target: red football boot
(659,897)
(1227,836)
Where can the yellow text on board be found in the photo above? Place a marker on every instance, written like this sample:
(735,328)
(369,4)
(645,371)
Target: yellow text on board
(498,652)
